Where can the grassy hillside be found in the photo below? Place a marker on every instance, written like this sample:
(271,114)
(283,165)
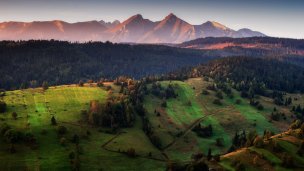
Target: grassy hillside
(174,122)
(279,152)
(35,108)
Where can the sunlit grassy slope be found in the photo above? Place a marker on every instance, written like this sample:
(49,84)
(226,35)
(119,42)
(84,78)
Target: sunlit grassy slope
(225,119)
(35,108)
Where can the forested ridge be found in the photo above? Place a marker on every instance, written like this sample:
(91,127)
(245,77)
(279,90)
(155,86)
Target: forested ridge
(284,49)
(285,42)
(58,62)
(256,73)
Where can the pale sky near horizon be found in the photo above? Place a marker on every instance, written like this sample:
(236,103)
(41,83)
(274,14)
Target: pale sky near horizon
(279,18)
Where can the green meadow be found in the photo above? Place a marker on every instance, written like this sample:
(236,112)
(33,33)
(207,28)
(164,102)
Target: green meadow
(35,108)
(225,119)
(103,151)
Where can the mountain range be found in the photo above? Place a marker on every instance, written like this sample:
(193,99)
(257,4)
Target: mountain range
(135,29)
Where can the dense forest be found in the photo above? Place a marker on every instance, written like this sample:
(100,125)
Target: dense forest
(246,73)
(29,63)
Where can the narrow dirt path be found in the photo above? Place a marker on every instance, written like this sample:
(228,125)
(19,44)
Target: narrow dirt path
(195,123)
(189,129)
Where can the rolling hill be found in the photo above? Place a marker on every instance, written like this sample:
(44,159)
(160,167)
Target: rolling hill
(160,122)
(173,126)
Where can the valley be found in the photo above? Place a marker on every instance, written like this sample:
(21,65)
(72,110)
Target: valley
(174,139)
(129,85)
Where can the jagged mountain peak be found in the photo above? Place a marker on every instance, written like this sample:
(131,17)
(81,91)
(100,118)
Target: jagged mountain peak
(171,29)
(137,17)
(171,15)
(215,25)
(172,18)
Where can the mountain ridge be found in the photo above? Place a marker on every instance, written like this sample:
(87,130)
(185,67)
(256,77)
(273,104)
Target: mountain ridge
(135,29)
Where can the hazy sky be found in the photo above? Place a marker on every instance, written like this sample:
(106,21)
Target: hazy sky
(281,18)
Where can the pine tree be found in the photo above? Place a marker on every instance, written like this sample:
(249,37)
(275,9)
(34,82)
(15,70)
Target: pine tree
(209,155)
(45,85)
(53,121)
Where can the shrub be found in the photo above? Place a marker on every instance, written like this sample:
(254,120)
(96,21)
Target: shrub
(260,107)
(45,85)
(164,104)
(131,152)
(72,155)
(220,142)
(43,132)
(217,102)
(2,92)
(80,84)
(13,136)
(205,92)
(197,156)
(209,155)
(108,88)
(217,157)
(53,121)
(295,124)
(211,87)
(200,165)
(63,141)
(2,107)
(75,139)
(14,115)
(238,101)
(189,103)
(3,128)
(219,95)
(155,141)
(203,131)
(62,130)
(100,84)
(29,137)
(244,94)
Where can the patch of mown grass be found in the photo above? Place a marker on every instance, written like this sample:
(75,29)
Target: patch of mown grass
(184,109)
(161,124)
(252,115)
(65,103)
(34,108)
(218,132)
(97,158)
(135,138)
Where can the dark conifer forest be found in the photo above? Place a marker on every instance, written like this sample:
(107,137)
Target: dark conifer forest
(25,62)
(256,73)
